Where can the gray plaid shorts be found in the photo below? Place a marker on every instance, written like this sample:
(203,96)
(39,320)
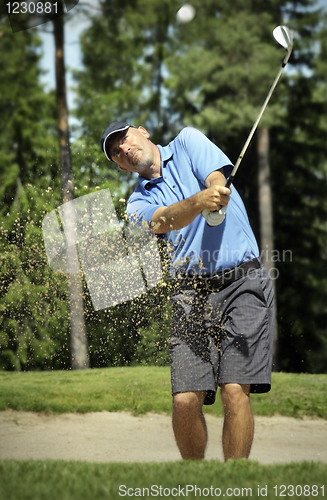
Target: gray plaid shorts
(223,336)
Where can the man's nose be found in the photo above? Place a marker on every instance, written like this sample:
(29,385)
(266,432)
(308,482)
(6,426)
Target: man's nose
(125,148)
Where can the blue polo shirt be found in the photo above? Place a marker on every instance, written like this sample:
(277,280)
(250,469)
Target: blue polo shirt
(197,248)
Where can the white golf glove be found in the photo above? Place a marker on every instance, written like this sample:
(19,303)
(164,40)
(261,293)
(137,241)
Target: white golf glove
(214,218)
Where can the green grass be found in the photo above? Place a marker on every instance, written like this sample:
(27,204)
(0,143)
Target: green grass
(146,389)
(59,480)
(141,390)
(138,390)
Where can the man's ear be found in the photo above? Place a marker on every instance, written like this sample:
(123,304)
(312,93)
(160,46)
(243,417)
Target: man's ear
(121,168)
(144,132)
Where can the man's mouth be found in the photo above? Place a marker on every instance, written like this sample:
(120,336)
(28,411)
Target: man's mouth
(133,155)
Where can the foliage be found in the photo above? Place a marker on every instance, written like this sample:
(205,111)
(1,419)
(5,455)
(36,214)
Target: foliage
(33,318)
(139,65)
(214,73)
(33,321)
(135,332)
(300,183)
(152,347)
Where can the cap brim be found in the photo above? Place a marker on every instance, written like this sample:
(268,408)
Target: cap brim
(110,134)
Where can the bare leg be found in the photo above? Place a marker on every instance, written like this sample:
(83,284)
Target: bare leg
(238,427)
(189,424)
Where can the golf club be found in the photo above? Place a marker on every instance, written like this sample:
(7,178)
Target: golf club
(284,37)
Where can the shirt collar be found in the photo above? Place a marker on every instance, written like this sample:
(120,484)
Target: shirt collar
(166,153)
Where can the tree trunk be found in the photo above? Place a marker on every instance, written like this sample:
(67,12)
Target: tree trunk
(266,220)
(79,354)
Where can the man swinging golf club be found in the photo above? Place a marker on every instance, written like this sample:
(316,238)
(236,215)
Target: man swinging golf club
(223,323)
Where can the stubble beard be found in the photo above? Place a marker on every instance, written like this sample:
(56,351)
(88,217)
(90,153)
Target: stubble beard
(141,160)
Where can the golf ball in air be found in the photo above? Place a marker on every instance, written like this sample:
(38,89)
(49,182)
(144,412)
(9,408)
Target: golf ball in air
(185,13)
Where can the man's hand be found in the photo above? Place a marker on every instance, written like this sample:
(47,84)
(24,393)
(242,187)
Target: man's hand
(216,214)
(214,197)
(181,214)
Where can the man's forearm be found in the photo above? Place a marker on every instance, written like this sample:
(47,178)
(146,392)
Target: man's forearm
(181,214)
(176,216)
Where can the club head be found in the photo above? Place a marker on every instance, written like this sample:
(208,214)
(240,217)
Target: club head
(284,37)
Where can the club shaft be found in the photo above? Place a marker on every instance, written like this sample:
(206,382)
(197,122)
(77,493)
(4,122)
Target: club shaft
(240,158)
(242,153)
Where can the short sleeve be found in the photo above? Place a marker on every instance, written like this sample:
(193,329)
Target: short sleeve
(205,156)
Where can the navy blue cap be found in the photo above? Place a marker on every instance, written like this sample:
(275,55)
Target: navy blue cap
(109,131)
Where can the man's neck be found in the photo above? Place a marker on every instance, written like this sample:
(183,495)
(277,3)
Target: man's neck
(154,170)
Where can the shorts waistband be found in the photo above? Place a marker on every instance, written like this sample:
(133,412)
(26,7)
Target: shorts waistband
(223,279)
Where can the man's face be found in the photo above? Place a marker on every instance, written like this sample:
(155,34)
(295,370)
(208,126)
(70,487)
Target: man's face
(132,151)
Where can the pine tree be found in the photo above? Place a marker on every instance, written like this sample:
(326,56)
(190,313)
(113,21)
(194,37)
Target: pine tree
(300,183)
(33,320)
(78,341)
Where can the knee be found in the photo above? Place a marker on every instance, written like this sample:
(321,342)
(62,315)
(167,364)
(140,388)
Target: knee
(234,396)
(188,403)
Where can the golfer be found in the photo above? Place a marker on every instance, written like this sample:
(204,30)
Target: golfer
(223,323)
